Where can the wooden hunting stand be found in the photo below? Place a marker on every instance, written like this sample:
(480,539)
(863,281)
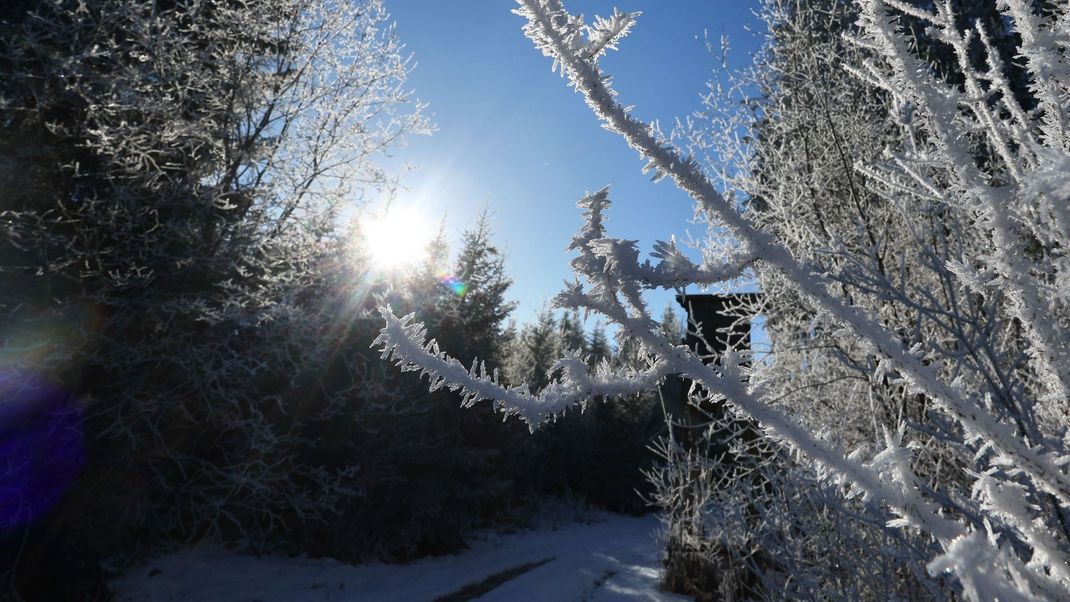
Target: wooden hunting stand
(715,324)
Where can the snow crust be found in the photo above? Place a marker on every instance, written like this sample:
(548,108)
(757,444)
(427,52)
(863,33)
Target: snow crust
(614,559)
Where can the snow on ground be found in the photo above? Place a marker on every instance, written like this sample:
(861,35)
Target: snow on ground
(614,559)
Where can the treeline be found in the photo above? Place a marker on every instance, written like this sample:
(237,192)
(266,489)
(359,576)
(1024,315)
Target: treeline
(599,451)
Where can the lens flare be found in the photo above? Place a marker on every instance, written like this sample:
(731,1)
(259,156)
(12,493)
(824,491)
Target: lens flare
(454,284)
(42,444)
(41,447)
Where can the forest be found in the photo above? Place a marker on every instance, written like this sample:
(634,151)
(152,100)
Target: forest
(212,339)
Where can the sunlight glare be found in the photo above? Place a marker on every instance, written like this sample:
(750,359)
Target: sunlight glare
(398,239)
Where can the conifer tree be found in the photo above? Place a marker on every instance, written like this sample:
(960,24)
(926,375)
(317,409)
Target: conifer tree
(536,350)
(598,349)
(570,333)
(480,300)
(670,324)
(630,354)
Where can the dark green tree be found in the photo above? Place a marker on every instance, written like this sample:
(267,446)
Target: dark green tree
(433,469)
(571,334)
(536,351)
(171,174)
(480,295)
(630,354)
(671,326)
(598,348)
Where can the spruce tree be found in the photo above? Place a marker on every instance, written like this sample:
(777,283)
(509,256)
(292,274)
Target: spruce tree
(598,349)
(570,332)
(480,300)
(671,326)
(630,354)
(536,351)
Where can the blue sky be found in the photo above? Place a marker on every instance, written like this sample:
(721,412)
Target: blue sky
(514,138)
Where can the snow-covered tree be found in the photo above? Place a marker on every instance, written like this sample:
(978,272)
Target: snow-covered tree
(810,122)
(671,326)
(570,331)
(999,538)
(481,266)
(537,346)
(172,175)
(476,305)
(598,345)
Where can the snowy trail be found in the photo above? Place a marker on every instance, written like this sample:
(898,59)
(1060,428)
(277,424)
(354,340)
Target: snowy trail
(612,560)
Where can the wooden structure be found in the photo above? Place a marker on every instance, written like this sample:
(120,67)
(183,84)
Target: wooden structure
(715,324)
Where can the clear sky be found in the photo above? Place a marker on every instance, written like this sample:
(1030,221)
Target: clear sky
(514,138)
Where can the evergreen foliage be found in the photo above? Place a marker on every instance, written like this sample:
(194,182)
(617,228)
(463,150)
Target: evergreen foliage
(535,352)
(598,349)
(171,176)
(571,333)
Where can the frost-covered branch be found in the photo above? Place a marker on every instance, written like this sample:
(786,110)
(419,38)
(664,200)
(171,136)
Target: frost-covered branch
(939,103)
(955,361)
(404,341)
(557,40)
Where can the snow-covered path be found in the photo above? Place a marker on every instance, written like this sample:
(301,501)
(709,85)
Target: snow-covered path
(612,560)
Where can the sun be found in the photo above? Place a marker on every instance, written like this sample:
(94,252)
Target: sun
(398,238)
